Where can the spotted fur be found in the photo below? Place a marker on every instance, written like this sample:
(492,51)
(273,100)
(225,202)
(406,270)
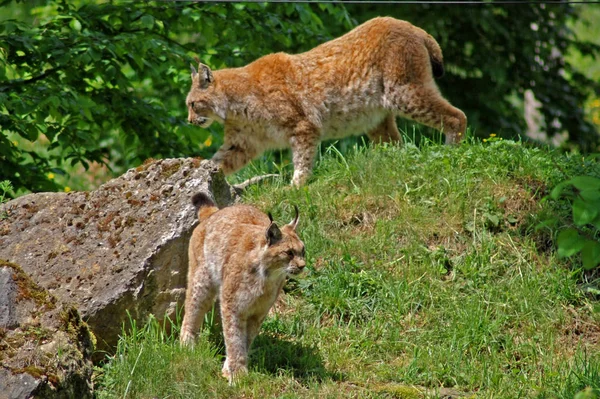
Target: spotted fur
(240,256)
(354,84)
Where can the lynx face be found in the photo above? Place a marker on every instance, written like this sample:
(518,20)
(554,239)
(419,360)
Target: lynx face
(286,254)
(201,100)
(196,112)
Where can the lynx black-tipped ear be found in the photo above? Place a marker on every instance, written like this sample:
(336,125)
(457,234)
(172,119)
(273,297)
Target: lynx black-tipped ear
(202,199)
(273,234)
(270,216)
(194,72)
(205,76)
(294,223)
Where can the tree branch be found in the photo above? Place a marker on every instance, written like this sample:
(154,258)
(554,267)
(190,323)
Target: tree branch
(20,82)
(253,180)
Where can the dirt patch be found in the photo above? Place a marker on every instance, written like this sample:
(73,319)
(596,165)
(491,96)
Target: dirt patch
(580,330)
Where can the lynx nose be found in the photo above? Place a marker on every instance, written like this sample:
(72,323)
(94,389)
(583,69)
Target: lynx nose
(191,115)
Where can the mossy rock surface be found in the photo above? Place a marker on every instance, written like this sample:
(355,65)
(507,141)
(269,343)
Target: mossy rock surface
(45,347)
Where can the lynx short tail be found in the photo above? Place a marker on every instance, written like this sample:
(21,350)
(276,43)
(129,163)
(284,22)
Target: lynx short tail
(435,56)
(204,205)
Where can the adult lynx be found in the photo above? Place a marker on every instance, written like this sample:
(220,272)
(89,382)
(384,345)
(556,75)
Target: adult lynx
(240,255)
(354,84)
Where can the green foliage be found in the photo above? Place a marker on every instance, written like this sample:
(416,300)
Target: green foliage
(143,355)
(5,189)
(345,291)
(584,195)
(581,380)
(106,82)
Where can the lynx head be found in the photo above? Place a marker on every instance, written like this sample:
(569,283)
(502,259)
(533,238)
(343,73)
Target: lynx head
(284,248)
(203,101)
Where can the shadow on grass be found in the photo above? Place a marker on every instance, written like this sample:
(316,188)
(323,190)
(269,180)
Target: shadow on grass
(271,355)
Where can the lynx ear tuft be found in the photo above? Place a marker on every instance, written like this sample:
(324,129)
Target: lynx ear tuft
(205,76)
(270,216)
(294,223)
(194,72)
(273,234)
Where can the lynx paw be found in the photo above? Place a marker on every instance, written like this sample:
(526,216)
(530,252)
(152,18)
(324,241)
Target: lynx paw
(210,163)
(233,375)
(186,338)
(299,179)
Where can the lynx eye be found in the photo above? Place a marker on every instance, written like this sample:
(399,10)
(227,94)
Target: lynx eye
(290,253)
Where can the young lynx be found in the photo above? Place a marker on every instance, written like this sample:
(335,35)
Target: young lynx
(240,255)
(354,84)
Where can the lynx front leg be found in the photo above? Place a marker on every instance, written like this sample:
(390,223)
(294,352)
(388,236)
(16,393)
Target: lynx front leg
(234,332)
(253,327)
(254,322)
(304,144)
(234,155)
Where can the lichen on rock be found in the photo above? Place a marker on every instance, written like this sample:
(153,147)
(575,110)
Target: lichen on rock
(45,347)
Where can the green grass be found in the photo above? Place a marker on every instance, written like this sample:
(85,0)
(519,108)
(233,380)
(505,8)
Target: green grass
(426,272)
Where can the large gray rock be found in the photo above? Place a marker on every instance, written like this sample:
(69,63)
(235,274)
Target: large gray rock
(119,249)
(45,348)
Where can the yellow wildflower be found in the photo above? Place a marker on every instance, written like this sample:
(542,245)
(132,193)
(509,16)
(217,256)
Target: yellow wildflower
(67,189)
(492,134)
(50,175)
(208,141)
(15,143)
(484,140)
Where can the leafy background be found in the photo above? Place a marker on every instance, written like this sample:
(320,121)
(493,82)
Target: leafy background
(102,85)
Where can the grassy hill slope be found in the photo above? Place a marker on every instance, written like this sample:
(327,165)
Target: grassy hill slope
(427,279)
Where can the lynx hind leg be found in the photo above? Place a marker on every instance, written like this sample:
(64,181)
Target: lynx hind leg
(426,105)
(386,131)
(199,299)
